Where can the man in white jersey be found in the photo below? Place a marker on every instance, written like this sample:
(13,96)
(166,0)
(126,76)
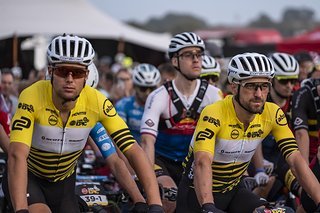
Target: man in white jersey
(171,112)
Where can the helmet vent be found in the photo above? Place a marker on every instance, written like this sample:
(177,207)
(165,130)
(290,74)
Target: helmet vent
(72,46)
(80,48)
(64,47)
(56,46)
(261,64)
(86,49)
(244,63)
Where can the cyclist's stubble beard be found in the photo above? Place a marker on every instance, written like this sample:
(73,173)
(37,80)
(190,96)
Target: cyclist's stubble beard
(62,97)
(246,106)
(276,91)
(280,95)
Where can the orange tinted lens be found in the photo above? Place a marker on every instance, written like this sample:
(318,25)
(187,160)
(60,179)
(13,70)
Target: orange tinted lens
(63,72)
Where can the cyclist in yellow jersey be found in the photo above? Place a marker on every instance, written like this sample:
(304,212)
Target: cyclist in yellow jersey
(50,129)
(226,137)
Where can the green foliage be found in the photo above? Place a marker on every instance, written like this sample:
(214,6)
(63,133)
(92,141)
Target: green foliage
(294,20)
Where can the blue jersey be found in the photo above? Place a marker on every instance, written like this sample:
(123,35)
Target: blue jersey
(102,140)
(131,112)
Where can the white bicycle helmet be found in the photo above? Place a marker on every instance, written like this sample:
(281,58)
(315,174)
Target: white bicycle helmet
(146,75)
(183,40)
(93,77)
(70,49)
(285,65)
(210,66)
(249,65)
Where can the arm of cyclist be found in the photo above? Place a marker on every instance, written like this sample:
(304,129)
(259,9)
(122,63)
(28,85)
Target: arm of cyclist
(289,149)
(147,143)
(125,160)
(203,177)
(141,165)
(122,175)
(137,158)
(260,176)
(304,175)
(4,140)
(302,138)
(18,174)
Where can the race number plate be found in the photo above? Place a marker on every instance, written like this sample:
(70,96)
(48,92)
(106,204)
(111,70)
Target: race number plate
(92,200)
(92,193)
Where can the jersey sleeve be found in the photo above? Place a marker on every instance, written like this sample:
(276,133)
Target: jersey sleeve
(101,138)
(300,108)
(208,126)
(281,132)
(114,124)
(156,102)
(22,124)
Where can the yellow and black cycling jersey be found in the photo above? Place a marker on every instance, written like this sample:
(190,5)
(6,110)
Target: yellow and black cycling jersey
(55,147)
(220,133)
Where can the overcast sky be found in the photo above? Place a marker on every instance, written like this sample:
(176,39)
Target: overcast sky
(214,12)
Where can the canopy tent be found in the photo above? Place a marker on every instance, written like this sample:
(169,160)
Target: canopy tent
(309,41)
(45,17)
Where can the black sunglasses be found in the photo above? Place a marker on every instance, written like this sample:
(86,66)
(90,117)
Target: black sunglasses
(144,89)
(286,81)
(212,78)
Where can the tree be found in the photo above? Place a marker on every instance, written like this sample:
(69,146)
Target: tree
(173,23)
(263,21)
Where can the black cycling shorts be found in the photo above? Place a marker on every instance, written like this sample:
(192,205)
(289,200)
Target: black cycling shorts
(165,166)
(237,200)
(59,196)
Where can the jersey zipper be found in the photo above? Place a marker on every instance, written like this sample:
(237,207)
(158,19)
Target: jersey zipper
(63,140)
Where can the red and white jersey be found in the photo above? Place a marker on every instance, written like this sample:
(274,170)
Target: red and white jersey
(159,105)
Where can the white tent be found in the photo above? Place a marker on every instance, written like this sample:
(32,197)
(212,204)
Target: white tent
(55,17)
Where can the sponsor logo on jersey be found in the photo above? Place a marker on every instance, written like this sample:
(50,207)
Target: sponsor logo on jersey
(52,111)
(255,125)
(298,121)
(255,134)
(212,120)
(53,120)
(21,123)
(100,130)
(281,118)
(229,152)
(149,123)
(78,113)
(105,147)
(234,134)
(27,107)
(80,122)
(75,140)
(237,126)
(109,109)
(152,97)
(103,137)
(202,135)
